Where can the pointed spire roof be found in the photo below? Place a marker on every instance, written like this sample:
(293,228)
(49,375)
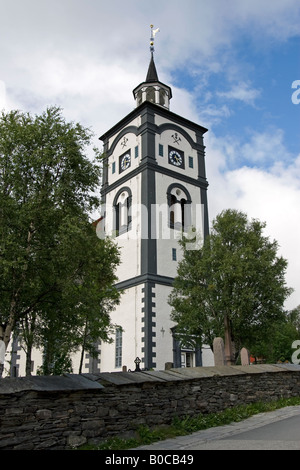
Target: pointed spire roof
(157,92)
(152,73)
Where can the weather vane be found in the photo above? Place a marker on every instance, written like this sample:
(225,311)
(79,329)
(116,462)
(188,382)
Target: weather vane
(153,34)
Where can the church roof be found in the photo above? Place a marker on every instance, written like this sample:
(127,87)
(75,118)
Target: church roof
(152,73)
(152,77)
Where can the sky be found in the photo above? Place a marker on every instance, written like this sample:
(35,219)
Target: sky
(233,66)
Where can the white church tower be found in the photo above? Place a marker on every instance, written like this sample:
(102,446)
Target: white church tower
(154,189)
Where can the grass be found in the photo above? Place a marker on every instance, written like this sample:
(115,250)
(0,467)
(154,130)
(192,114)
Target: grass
(190,424)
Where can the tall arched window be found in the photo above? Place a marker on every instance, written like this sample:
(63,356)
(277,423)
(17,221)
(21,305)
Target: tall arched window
(122,211)
(183,208)
(173,201)
(150,94)
(179,202)
(139,97)
(162,97)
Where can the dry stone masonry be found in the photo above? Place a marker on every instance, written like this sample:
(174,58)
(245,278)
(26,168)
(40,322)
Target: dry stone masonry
(38,413)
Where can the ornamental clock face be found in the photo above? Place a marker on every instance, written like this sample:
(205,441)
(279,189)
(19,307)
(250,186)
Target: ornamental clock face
(176,157)
(125,161)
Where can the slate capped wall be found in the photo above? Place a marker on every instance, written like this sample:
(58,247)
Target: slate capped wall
(68,411)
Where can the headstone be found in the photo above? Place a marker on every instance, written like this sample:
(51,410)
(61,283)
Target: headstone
(228,346)
(245,357)
(219,352)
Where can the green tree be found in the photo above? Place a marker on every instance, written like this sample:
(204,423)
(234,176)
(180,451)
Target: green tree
(294,318)
(277,346)
(56,275)
(234,284)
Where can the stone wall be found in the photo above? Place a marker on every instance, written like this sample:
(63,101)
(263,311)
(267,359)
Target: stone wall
(67,411)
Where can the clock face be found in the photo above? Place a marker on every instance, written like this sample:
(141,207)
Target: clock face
(125,161)
(176,158)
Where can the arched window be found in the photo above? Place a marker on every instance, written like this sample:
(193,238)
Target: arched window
(139,97)
(179,202)
(122,211)
(183,212)
(150,94)
(173,201)
(118,348)
(162,97)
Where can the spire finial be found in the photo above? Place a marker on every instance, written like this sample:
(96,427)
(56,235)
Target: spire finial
(153,34)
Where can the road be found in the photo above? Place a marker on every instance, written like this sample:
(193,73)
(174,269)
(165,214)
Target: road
(276,430)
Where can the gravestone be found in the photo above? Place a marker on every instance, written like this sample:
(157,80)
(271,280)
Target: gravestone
(219,352)
(245,357)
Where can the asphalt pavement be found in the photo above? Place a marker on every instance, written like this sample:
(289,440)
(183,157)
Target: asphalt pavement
(275,430)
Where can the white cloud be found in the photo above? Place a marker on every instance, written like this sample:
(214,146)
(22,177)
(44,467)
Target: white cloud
(262,149)
(271,195)
(242,92)
(2,95)
(275,19)
(269,198)
(266,147)
(183,103)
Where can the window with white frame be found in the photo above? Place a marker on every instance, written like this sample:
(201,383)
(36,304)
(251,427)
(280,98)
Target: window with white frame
(179,202)
(122,211)
(118,351)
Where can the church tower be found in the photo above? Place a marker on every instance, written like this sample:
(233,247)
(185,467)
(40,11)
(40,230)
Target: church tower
(154,189)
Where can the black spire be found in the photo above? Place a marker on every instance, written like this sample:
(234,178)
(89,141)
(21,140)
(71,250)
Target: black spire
(152,73)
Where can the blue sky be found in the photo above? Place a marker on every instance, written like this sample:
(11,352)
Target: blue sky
(267,105)
(231,65)
(260,97)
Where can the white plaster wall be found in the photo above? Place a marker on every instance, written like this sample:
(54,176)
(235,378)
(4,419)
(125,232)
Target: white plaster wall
(36,357)
(128,242)
(135,122)
(166,139)
(167,238)
(163,339)
(159,120)
(132,142)
(127,315)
